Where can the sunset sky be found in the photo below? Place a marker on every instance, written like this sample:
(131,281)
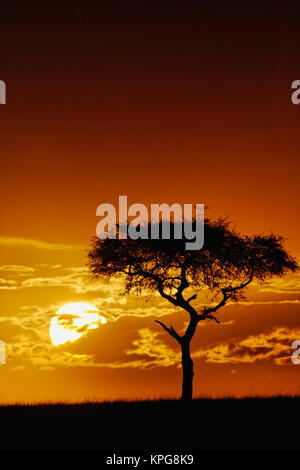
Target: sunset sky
(163,102)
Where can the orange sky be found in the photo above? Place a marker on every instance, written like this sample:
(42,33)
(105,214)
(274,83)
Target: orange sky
(163,104)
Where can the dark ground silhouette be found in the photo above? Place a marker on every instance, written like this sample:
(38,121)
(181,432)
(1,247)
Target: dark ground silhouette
(165,425)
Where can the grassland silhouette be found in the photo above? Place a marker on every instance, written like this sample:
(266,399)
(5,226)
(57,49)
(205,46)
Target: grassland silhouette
(165,425)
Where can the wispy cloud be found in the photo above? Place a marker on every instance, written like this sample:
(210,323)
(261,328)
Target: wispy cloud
(43,355)
(50,266)
(289,285)
(6,284)
(77,282)
(265,302)
(16,269)
(152,351)
(274,346)
(15,241)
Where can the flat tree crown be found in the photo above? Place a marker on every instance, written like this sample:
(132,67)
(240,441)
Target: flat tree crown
(227,261)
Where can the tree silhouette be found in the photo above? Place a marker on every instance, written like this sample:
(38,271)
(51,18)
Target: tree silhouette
(224,267)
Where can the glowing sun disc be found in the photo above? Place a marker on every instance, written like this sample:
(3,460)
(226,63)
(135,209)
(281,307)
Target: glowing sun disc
(72,321)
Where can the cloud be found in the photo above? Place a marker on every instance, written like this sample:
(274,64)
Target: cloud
(80,269)
(43,355)
(274,346)
(79,283)
(251,303)
(78,280)
(6,284)
(137,347)
(152,350)
(31,321)
(14,241)
(28,342)
(110,302)
(51,266)
(270,302)
(17,269)
(288,285)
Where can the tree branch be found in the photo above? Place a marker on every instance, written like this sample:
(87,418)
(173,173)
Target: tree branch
(192,298)
(170,330)
(156,278)
(241,286)
(227,293)
(164,295)
(211,317)
(184,283)
(208,311)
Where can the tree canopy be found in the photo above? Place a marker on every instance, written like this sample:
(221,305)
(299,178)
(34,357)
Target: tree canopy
(226,264)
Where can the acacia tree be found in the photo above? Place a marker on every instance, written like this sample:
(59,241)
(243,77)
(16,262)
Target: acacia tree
(223,268)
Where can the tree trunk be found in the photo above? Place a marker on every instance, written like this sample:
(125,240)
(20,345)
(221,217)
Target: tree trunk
(187,372)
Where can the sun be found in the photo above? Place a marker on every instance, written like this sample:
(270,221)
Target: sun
(72,321)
